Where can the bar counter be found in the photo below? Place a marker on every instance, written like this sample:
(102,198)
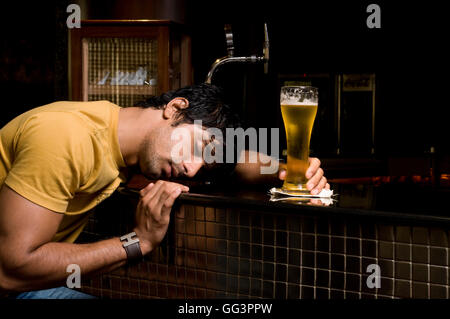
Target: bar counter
(413,203)
(233,241)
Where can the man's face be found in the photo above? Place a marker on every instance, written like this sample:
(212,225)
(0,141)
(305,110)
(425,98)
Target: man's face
(156,154)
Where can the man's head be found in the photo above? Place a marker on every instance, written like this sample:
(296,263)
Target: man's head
(179,109)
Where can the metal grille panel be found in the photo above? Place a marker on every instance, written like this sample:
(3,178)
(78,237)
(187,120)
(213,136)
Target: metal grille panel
(121,70)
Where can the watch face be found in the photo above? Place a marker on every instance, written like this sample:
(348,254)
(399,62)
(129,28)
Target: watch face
(129,240)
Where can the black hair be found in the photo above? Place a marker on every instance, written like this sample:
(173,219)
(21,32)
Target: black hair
(206,103)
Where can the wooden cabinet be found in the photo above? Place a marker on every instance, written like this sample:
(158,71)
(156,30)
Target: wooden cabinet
(125,61)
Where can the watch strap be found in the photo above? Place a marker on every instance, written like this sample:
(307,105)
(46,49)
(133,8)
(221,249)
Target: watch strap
(130,243)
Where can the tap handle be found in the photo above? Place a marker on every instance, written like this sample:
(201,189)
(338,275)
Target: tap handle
(229,39)
(266,49)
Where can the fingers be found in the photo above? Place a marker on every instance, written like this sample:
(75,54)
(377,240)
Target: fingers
(314,174)
(146,189)
(323,182)
(153,211)
(151,189)
(183,188)
(157,196)
(314,181)
(314,165)
(168,203)
(164,193)
(282,171)
(282,174)
(151,192)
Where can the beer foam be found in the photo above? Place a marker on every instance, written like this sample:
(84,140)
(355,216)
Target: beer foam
(298,96)
(292,101)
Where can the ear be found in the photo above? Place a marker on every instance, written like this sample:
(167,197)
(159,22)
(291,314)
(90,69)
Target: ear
(173,106)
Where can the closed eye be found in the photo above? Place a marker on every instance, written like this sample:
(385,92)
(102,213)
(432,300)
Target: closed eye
(207,142)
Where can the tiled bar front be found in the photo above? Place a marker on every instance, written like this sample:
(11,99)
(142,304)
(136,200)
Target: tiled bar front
(213,251)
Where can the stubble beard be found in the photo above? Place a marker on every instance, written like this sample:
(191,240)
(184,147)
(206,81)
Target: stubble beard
(149,161)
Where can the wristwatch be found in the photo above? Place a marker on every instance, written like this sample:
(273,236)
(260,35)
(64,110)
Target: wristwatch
(131,246)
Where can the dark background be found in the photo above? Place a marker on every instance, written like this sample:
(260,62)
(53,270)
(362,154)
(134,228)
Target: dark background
(408,56)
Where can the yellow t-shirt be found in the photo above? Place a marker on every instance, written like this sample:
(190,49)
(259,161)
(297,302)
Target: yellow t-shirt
(64,156)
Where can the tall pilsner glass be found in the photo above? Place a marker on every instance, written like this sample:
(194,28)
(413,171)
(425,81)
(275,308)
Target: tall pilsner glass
(299,108)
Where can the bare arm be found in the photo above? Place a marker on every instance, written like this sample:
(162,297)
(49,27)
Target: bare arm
(249,171)
(29,261)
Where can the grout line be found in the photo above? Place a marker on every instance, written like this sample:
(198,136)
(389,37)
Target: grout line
(196,253)
(411,293)
(361,270)
(315,258)
(428,264)
(394,244)
(345,261)
(301,260)
(330,266)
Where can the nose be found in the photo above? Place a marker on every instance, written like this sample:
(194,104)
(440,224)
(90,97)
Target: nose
(191,169)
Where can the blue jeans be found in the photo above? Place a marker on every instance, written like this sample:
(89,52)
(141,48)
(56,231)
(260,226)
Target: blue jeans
(54,293)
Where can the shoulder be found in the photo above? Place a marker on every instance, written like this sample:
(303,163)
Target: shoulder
(72,115)
(60,138)
(54,126)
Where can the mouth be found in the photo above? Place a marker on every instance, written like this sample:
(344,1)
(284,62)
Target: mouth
(174,171)
(171,171)
(168,171)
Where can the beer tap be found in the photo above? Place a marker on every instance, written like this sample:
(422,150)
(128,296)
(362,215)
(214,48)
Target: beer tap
(232,59)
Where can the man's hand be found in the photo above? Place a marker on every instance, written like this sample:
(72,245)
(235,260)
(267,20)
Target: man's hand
(314,174)
(153,212)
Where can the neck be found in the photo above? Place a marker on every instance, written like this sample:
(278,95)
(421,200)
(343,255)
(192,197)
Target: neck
(134,125)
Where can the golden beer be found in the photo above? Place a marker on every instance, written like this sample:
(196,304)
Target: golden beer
(299,109)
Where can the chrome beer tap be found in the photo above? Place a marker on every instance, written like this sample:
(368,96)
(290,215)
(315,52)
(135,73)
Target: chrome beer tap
(232,59)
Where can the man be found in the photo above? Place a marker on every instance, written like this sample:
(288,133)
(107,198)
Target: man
(59,161)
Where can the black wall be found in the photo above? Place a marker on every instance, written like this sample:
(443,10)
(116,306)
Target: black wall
(33,55)
(406,54)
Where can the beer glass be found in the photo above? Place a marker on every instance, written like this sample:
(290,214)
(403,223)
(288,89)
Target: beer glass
(298,108)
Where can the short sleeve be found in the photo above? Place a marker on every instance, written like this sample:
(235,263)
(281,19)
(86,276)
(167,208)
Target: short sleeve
(53,158)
